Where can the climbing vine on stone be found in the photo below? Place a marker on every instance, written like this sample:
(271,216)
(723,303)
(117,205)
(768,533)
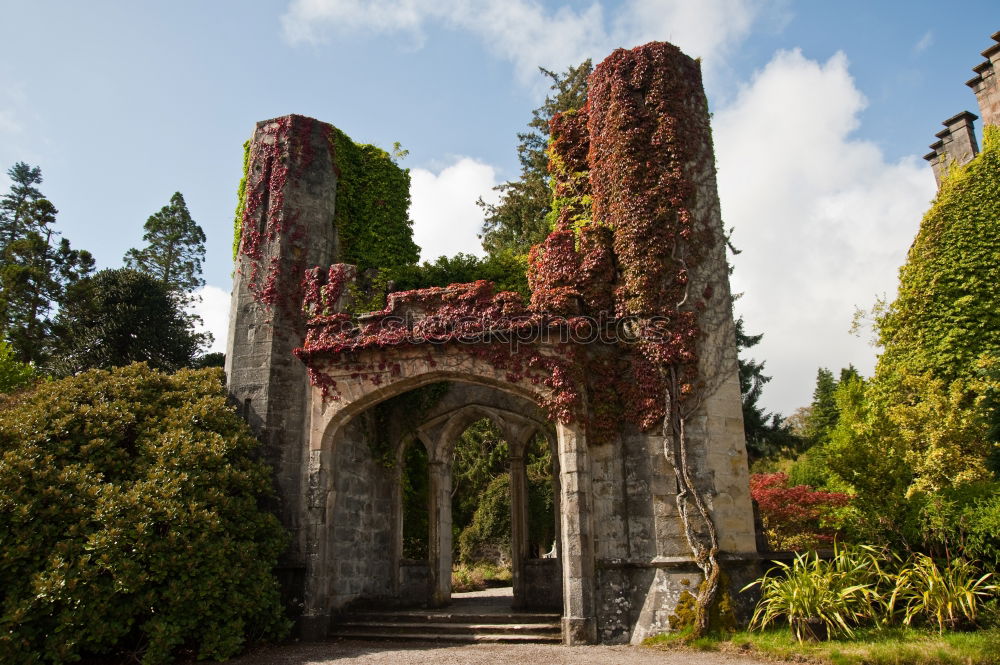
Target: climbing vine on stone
(624,258)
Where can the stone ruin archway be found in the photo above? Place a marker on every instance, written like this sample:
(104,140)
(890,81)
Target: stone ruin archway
(335,575)
(627,347)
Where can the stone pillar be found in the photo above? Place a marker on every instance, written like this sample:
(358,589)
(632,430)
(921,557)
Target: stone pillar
(579,622)
(985,83)
(439,539)
(956,144)
(315,620)
(518,524)
(287,225)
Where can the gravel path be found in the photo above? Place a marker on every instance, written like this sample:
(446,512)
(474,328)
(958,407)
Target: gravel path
(351,652)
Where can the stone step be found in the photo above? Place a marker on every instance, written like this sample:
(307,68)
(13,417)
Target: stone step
(453,628)
(516,638)
(419,616)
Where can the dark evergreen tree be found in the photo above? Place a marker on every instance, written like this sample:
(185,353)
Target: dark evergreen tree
(518,220)
(118,317)
(824,414)
(175,248)
(766,433)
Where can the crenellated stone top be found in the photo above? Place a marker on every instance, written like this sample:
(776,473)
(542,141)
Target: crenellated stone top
(985,85)
(956,144)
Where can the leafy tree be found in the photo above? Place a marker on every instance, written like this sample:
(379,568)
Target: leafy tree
(518,220)
(920,430)
(35,267)
(13,374)
(121,316)
(214,359)
(415,488)
(130,521)
(175,248)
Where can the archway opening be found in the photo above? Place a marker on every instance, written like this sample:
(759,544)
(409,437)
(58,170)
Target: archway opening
(452,473)
(481,510)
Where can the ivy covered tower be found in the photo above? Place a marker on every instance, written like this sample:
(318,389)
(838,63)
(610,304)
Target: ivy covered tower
(309,196)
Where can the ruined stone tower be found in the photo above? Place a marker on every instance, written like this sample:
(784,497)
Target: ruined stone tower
(289,194)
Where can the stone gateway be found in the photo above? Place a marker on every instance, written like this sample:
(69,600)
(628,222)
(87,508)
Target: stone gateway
(624,362)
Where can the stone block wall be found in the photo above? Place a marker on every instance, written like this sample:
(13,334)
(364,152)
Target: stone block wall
(362,525)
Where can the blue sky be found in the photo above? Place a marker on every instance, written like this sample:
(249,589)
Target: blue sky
(821,113)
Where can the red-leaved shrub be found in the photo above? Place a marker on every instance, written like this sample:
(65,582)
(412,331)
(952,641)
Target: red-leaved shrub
(795,518)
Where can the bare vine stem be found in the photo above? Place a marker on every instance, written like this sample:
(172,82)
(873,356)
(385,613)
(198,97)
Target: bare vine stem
(704,542)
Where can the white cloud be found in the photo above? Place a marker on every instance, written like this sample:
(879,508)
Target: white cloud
(214,312)
(528,34)
(823,219)
(445,216)
(924,43)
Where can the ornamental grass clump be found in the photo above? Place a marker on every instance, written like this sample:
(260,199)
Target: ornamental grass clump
(131,521)
(949,596)
(820,599)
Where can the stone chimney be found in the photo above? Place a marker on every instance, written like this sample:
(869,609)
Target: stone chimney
(956,144)
(985,83)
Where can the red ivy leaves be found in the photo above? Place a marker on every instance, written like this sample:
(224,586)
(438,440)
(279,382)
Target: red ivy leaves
(631,149)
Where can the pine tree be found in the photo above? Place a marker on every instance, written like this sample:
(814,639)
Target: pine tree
(518,221)
(35,268)
(175,248)
(766,433)
(823,413)
(17,206)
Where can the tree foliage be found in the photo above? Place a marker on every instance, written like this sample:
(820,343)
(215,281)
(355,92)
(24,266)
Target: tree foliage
(175,248)
(118,317)
(519,219)
(505,269)
(921,429)
(130,520)
(36,267)
(13,374)
(766,433)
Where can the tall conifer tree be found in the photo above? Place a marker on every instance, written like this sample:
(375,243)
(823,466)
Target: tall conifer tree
(175,248)
(35,267)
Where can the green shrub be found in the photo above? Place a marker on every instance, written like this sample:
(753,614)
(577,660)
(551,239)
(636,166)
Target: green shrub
(130,521)
(487,538)
(13,374)
(960,521)
(479,576)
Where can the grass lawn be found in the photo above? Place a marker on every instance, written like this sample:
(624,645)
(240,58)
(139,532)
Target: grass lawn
(897,646)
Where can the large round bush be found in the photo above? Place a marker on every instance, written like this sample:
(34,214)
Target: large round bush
(130,520)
